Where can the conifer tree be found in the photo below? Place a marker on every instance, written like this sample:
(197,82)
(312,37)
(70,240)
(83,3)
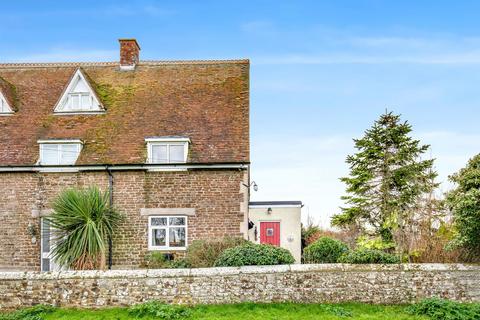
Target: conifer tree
(387,180)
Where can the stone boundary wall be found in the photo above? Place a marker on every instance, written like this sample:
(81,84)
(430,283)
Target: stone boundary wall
(385,284)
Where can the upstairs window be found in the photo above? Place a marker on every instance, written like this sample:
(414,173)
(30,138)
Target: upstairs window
(59,152)
(78,97)
(79,101)
(167,150)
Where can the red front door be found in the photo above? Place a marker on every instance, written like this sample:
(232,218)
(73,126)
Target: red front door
(270,233)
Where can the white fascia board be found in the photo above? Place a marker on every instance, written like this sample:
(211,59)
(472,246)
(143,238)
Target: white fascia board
(60,141)
(167,139)
(57,169)
(183,167)
(276,206)
(179,167)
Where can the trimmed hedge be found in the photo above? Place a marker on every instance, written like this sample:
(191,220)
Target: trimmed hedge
(367,256)
(251,254)
(324,250)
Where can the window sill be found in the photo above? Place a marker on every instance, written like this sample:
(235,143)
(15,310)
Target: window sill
(167,249)
(73,113)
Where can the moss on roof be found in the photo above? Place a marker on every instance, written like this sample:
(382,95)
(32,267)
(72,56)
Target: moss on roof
(206,102)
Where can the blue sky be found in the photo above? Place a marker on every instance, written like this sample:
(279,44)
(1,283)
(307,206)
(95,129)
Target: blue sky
(321,72)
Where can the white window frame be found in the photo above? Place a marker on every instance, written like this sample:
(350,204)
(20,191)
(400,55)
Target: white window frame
(60,144)
(167,233)
(167,142)
(52,266)
(95,104)
(4,102)
(80,96)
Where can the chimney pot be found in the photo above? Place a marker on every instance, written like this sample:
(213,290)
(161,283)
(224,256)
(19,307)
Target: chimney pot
(129,54)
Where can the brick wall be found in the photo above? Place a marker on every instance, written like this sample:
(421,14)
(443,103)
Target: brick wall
(217,196)
(383,284)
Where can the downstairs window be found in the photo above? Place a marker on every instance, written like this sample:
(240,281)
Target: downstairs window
(167,232)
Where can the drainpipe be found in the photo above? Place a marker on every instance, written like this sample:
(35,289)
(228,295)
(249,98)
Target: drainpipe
(110,191)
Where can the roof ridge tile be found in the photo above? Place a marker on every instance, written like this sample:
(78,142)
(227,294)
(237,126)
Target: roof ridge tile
(114,63)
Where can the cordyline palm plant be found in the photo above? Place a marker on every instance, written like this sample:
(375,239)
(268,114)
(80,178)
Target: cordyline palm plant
(83,220)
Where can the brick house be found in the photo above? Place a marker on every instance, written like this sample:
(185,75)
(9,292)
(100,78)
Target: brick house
(170,138)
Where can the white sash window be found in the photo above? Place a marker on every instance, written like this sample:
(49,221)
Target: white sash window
(59,152)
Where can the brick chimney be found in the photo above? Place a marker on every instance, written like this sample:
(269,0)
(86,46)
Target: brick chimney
(129,54)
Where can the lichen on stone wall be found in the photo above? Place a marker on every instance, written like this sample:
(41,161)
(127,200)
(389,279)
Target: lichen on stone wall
(332,283)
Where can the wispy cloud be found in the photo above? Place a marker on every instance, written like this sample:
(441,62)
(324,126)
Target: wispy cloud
(318,45)
(259,28)
(309,169)
(65,55)
(140,9)
(132,10)
(455,58)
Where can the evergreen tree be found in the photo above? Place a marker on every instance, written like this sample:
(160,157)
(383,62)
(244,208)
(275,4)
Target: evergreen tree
(464,203)
(387,180)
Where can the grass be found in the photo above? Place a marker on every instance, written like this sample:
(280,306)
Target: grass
(250,311)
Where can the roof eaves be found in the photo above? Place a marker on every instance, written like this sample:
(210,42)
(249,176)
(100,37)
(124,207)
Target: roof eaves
(275,203)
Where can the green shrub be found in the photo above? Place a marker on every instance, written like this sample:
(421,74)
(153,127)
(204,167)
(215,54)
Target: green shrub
(374,243)
(158,260)
(159,310)
(179,264)
(251,254)
(363,255)
(324,250)
(204,253)
(33,313)
(440,309)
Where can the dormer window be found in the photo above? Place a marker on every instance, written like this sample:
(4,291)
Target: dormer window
(4,107)
(79,97)
(79,101)
(59,152)
(167,149)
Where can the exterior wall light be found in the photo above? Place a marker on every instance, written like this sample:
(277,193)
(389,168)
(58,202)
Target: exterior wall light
(32,232)
(269,211)
(252,184)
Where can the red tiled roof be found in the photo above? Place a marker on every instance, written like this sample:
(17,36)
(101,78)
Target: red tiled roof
(207,101)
